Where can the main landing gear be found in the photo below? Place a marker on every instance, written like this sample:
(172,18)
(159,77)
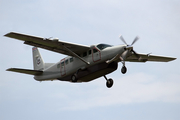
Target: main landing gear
(109,82)
(74,78)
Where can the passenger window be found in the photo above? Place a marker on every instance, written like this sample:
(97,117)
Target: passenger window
(62,64)
(89,52)
(94,50)
(84,54)
(71,59)
(58,65)
(66,61)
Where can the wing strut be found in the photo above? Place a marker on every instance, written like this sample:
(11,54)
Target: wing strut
(76,55)
(116,58)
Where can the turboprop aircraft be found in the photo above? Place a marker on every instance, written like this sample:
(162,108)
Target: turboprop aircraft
(83,63)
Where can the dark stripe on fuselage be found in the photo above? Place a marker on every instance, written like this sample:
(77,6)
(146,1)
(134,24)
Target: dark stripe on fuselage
(93,72)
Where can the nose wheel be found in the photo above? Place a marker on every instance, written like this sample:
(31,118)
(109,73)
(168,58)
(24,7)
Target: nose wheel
(109,82)
(123,69)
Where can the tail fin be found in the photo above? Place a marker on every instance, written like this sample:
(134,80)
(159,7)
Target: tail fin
(37,59)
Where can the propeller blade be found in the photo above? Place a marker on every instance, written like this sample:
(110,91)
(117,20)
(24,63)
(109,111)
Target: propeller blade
(122,39)
(135,39)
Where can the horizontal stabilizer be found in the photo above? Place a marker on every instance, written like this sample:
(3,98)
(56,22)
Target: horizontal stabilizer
(25,71)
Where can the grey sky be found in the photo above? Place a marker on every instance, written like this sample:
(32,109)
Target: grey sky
(148,91)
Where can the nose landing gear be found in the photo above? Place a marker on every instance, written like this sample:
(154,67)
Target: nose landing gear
(123,69)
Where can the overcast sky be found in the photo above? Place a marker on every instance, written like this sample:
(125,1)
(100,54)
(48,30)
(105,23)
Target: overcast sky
(148,91)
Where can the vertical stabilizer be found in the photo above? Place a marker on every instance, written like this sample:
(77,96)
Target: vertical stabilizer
(37,59)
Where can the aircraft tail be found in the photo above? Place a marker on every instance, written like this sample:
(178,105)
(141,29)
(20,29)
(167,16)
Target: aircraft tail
(38,64)
(37,59)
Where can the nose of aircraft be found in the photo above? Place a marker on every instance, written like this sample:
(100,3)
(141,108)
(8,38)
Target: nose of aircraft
(130,47)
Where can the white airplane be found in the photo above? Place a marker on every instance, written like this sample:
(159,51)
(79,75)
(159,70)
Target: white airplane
(83,63)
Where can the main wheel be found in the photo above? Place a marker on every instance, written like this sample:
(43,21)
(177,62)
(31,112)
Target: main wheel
(123,69)
(74,78)
(109,83)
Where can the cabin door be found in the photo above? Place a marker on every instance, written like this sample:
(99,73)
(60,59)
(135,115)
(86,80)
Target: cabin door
(96,55)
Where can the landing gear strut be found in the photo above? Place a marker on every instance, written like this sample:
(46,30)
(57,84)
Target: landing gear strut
(109,82)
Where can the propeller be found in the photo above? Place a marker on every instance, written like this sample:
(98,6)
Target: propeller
(129,48)
(134,41)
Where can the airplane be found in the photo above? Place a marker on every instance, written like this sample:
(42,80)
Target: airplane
(83,63)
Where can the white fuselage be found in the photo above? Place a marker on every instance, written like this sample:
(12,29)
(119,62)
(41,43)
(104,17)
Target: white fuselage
(70,65)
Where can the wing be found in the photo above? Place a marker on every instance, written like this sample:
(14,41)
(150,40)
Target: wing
(52,45)
(147,57)
(25,71)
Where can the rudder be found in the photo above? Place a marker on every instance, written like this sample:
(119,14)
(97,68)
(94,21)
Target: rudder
(37,59)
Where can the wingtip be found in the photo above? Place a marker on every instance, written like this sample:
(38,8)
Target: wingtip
(9,69)
(174,58)
(10,33)
(7,34)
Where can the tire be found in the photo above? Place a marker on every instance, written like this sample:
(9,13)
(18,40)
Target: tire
(109,83)
(123,69)
(74,78)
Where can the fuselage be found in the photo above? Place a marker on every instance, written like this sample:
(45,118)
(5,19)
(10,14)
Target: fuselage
(97,56)
(84,63)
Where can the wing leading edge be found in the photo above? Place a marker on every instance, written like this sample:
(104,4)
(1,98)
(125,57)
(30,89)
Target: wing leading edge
(52,45)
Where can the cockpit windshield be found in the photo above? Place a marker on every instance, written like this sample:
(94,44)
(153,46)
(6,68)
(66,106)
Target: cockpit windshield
(103,46)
